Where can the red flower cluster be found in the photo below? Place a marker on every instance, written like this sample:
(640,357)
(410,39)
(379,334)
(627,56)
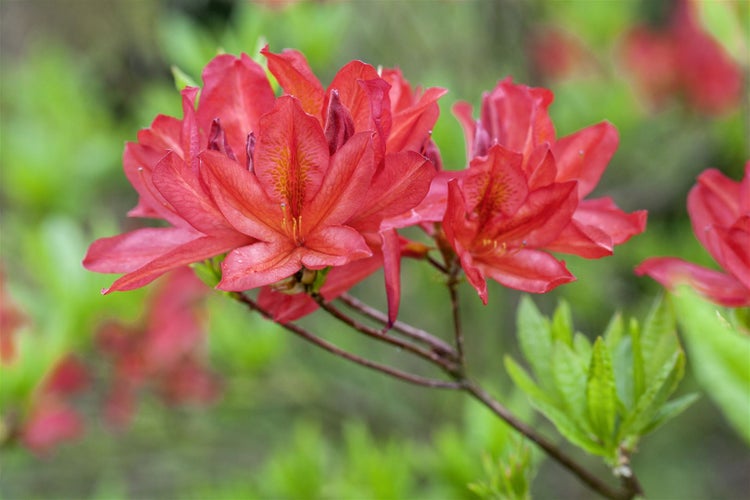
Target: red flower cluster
(523,194)
(719,209)
(681,58)
(314,183)
(286,186)
(166,352)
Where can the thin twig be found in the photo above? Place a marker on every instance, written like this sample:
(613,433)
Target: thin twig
(437,265)
(446,364)
(457,332)
(436,344)
(387,370)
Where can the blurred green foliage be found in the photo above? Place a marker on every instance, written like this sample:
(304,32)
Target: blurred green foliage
(294,422)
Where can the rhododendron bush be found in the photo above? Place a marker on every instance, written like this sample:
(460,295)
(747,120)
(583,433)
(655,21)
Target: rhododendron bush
(332,208)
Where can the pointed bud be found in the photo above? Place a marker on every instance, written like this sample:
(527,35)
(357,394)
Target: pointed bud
(250,151)
(217,140)
(339,123)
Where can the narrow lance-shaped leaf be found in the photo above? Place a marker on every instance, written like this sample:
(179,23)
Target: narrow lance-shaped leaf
(542,402)
(638,384)
(582,346)
(601,394)
(569,371)
(658,337)
(670,411)
(535,340)
(562,324)
(653,399)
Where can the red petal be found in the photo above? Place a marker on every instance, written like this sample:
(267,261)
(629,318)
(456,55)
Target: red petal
(496,184)
(398,187)
(392,272)
(583,156)
(296,78)
(139,162)
(583,240)
(129,251)
(355,98)
(516,116)
(597,226)
(193,251)
(413,126)
(718,287)
(333,246)
(259,264)
(240,197)
(236,91)
(527,270)
(463,112)
(474,273)
(541,218)
(734,247)
(291,155)
(285,307)
(380,112)
(190,135)
(344,186)
(181,187)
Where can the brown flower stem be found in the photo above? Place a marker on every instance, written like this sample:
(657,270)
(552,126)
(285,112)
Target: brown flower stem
(436,344)
(440,360)
(333,349)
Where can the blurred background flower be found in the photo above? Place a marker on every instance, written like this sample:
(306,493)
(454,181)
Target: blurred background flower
(78,79)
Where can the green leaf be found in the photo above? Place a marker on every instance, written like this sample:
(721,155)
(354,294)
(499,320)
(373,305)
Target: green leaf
(651,402)
(658,337)
(669,411)
(623,364)
(562,323)
(638,375)
(544,403)
(569,371)
(614,332)
(535,340)
(719,354)
(582,347)
(601,394)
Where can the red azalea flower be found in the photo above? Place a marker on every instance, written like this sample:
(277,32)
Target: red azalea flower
(295,201)
(681,58)
(165,352)
(496,223)
(361,99)
(309,180)
(719,209)
(163,166)
(517,118)
(524,191)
